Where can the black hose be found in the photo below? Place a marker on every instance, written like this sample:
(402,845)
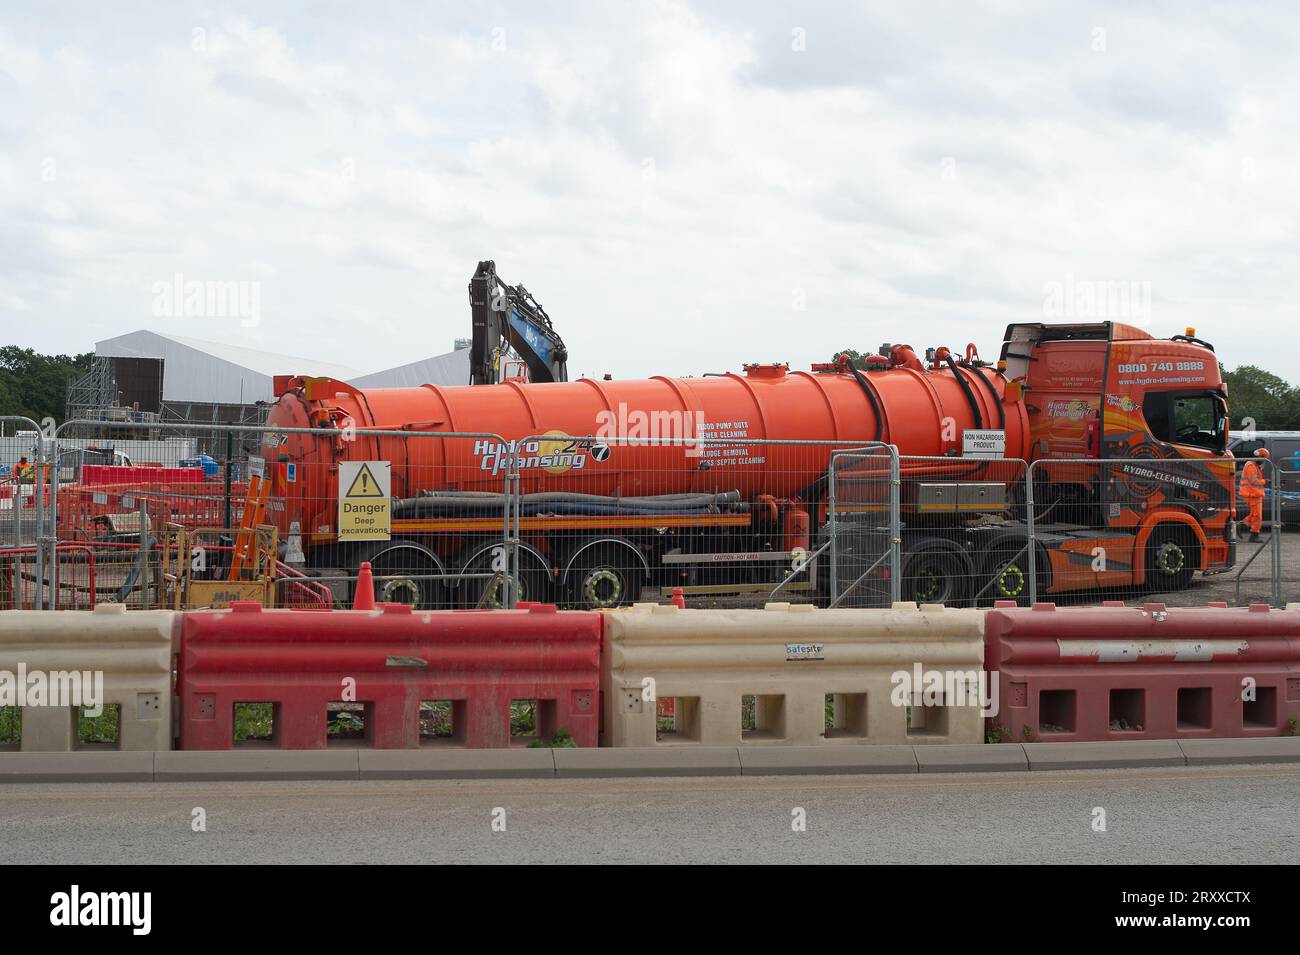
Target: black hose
(487,501)
(1002,411)
(870,392)
(970,395)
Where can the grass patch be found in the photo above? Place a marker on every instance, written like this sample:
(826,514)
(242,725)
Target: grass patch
(11,725)
(103,728)
(523,717)
(561,740)
(254,721)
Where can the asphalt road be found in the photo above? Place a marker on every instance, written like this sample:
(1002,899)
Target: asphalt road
(1239,814)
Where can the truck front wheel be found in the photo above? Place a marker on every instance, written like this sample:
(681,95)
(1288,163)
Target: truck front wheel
(1171,558)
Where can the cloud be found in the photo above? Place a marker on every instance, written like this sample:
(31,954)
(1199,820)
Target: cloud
(671,179)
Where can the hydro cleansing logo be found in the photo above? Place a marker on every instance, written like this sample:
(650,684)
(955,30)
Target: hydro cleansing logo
(78,908)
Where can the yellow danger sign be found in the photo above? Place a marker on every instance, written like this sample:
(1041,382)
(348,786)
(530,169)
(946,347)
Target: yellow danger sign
(364,484)
(365,504)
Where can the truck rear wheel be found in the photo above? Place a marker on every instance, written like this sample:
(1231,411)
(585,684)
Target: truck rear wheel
(934,578)
(1171,558)
(1007,577)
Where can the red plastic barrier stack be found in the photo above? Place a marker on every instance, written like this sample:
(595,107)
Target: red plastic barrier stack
(1151,672)
(193,503)
(99,474)
(480,661)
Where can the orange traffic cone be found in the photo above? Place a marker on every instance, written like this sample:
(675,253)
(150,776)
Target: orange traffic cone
(364,598)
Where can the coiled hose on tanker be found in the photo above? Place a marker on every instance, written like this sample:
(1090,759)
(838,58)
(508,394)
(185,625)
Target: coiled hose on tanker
(467,503)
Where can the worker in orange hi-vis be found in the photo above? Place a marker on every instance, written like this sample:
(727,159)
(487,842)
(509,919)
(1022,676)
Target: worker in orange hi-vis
(1252,489)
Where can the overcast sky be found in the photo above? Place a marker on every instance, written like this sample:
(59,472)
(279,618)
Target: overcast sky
(684,186)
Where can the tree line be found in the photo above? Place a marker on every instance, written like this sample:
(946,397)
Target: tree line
(35,385)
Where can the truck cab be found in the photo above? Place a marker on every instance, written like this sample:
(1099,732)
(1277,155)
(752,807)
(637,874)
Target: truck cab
(1101,391)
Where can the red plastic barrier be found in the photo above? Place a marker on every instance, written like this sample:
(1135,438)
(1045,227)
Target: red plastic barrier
(1152,672)
(193,503)
(480,661)
(141,475)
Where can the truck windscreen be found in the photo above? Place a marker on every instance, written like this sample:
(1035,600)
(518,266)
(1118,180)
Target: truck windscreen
(1181,417)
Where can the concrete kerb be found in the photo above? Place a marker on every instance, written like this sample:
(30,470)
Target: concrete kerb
(648,761)
(253,764)
(437,763)
(828,760)
(972,758)
(1112,754)
(1267,749)
(106,766)
(667,761)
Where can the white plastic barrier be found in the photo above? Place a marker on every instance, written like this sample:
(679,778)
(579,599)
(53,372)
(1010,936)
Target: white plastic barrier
(51,661)
(792,674)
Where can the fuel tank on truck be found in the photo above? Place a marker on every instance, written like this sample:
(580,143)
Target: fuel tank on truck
(724,419)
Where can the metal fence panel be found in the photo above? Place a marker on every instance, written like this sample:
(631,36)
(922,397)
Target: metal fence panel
(966,537)
(728,521)
(1133,529)
(863,528)
(446,512)
(478,519)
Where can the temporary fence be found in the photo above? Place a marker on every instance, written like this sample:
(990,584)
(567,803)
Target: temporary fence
(966,535)
(429,512)
(1282,510)
(609,521)
(863,535)
(1124,526)
(475,519)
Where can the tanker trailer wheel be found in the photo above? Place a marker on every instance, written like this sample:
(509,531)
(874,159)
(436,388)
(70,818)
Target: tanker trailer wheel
(934,577)
(404,565)
(604,577)
(1171,558)
(532,584)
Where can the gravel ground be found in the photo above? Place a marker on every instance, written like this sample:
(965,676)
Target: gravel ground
(1255,583)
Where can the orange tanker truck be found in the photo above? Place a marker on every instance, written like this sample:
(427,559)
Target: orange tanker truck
(610,503)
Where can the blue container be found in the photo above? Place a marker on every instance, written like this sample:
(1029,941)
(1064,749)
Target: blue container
(208,463)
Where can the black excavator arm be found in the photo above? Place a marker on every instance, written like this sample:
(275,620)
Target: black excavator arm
(510,314)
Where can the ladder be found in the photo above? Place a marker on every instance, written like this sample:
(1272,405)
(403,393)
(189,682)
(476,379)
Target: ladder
(244,554)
